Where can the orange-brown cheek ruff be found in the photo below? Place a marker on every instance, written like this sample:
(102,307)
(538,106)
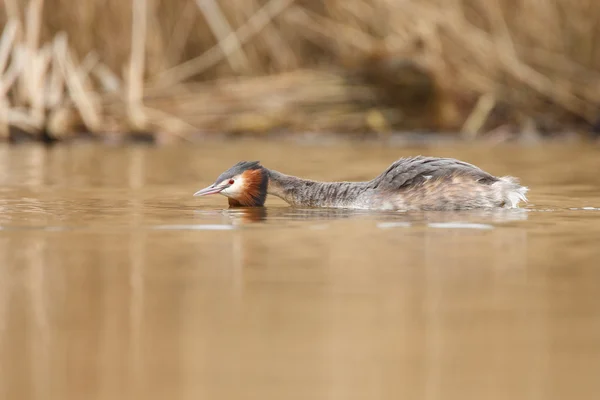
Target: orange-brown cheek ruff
(254,192)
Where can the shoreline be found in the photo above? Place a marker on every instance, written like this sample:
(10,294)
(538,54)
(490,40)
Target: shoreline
(399,138)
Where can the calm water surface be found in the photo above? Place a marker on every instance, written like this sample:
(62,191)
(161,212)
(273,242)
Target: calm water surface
(115,283)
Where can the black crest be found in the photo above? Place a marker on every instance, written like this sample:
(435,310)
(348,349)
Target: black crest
(238,169)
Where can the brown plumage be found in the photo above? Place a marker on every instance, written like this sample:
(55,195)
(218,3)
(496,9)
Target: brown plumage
(416,183)
(254,189)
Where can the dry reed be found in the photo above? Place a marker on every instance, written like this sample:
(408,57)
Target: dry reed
(183,66)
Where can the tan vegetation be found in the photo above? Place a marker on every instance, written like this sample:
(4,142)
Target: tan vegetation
(179,67)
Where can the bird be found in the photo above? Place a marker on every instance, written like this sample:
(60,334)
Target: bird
(410,183)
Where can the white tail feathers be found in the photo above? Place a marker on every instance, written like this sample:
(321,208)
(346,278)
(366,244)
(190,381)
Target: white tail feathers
(511,191)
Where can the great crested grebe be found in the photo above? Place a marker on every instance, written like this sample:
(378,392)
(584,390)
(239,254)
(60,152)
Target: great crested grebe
(415,183)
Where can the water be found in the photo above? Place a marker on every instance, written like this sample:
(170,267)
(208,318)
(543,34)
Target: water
(115,283)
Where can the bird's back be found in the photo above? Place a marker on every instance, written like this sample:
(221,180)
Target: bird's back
(431,183)
(412,171)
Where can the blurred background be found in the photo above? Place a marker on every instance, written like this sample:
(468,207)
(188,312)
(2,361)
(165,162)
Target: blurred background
(182,69)
(116,283)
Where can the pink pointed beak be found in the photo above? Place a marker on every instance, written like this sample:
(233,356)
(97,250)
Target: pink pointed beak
(212,189)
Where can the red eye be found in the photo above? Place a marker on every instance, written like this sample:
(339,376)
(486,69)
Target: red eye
(231,181)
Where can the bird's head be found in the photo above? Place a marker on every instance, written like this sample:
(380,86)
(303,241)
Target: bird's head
(245,184)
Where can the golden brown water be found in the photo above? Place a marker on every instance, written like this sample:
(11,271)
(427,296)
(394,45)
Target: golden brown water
(115,283)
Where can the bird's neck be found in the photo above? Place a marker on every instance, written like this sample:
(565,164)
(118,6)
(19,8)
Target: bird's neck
(307,193)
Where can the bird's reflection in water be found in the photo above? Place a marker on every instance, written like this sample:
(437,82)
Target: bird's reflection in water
(247,215)
(253,215)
